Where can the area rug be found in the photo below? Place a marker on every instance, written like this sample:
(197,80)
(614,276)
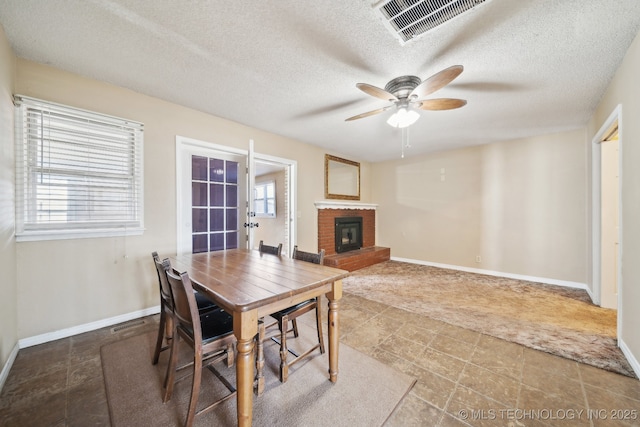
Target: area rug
(366,393)
(554,319)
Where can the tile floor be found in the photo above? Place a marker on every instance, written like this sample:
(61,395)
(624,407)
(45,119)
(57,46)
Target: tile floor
(464,378)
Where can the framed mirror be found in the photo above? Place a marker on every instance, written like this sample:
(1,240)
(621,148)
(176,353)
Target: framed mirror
(341,178)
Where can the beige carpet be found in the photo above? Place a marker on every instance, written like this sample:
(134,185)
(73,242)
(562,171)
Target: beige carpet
(554,319)
(366,393)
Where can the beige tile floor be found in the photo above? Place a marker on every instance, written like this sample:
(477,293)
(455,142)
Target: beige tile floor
(464,378)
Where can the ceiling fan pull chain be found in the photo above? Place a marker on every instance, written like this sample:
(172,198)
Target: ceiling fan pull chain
(404,140)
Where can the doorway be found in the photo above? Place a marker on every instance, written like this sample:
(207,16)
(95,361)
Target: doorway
(274,202)
(607,225)
(215,193)
(609,214)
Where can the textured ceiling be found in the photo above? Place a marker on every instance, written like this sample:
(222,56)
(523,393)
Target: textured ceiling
(290,66)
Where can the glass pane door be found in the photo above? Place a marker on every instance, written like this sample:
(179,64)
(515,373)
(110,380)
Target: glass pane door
(214,204)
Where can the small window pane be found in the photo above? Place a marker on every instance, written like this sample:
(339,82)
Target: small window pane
(217,219)
(232,219)
(232,240)
(217,242)
(200,243)
(232,195)
(199,220)
(232,172)
(198,168)
(217,194)
(198,194)
(216,167)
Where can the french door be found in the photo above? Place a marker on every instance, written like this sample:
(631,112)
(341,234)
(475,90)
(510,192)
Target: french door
(215,198)
(212,197)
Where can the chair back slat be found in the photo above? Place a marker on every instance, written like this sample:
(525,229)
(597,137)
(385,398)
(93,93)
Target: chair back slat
(316,258)
(184,300)
(162,267)
(273,250)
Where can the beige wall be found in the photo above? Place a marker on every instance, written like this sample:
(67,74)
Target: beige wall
(8,283)
(519,205)
(624,90)
(74,282)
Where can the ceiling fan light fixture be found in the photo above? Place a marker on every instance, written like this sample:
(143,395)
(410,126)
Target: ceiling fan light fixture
(403,118)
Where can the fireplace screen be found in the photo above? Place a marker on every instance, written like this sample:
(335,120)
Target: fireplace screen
(348,233)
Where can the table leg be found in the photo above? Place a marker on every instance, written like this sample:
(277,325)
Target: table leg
(259,382)
(245,327)
(334,334)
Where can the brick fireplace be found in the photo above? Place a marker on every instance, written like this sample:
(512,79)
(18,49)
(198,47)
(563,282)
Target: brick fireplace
(369,254)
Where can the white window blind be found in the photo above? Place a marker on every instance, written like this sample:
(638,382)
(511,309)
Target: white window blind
(264,201)
(78,173)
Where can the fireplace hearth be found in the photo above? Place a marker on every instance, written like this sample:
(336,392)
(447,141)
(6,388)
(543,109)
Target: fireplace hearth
(348,233)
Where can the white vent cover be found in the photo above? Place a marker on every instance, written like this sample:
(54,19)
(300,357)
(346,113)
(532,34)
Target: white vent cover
(407,19)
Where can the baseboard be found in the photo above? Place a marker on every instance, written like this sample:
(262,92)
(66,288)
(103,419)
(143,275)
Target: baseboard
(7,366)
(500,274)
(87,327)
(635,365)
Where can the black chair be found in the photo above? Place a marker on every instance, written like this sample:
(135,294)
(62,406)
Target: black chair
(273,250)
(210,335)
(282,318)
(166,305)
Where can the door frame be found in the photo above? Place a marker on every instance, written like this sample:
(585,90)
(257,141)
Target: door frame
(596,209)
(185,143)
(292,179)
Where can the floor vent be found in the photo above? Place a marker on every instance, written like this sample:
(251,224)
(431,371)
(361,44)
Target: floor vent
(128,325)
(408,19)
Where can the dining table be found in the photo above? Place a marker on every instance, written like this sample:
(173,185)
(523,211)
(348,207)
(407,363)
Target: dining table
(251,285)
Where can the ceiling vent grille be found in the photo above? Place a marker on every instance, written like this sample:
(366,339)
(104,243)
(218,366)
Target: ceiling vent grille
(407,19)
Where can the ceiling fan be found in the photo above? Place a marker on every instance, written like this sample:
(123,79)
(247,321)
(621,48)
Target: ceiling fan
(407,93)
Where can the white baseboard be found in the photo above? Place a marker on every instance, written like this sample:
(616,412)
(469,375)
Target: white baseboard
(87,327)
(635,365)
(7,366)
(500,274)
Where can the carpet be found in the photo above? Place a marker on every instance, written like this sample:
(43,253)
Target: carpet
(366,393)
(554,319)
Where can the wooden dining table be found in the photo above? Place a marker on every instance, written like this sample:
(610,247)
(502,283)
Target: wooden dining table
(250,285)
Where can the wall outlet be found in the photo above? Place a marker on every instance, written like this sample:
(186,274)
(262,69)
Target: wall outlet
(478,258)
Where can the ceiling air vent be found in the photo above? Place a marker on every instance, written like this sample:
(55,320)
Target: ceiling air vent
(407,19)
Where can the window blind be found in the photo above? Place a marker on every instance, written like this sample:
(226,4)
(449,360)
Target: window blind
(77,172)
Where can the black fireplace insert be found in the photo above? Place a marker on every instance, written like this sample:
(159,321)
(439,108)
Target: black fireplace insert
(348,233)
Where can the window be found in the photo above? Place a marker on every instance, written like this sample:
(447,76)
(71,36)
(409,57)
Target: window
(78,173)
(264,200)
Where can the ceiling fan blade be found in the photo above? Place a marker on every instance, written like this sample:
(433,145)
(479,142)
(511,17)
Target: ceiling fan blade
(437,81)
(441,104)
(376,91)
(369,113)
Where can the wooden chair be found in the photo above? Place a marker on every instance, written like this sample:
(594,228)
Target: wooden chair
(273,250)
(210,335)
(259,380)
(166,306)
(282,320)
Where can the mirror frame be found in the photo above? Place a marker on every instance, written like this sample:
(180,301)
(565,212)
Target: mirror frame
(331,193)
